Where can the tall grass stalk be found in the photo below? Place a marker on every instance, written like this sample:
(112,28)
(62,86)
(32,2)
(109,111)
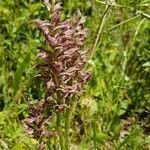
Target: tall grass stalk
(101,24)
(126,21)
(60,133)
(68,118)
(67,127)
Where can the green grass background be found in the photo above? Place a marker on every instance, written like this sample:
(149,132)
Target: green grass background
(114,113)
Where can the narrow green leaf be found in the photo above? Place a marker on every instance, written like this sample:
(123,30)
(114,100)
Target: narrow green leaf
(18,74)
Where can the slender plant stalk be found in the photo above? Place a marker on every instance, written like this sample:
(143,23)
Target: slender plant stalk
(137,30)
(67,127)
(94,134)
(102,21)
(121,6)
(128,20)
(114,4)
(60,133)
(69,115)
(143,14)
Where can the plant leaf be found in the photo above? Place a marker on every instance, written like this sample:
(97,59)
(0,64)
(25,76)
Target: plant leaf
(20,70)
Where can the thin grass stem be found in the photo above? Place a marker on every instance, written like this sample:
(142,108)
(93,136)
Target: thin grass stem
(113,4)
(126,21)
(143,14)
(60,133)
(69,115)
(67,127)
(102,21)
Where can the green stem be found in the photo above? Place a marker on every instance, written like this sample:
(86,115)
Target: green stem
(128,20)
(112,4)
(94,135)
(68,118)
(100,30)
(60,133)
(67,127)
(144,14)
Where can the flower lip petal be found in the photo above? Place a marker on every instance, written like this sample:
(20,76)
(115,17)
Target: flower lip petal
(57,7)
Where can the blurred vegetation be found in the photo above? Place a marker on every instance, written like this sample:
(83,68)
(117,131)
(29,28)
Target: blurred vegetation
(114,112)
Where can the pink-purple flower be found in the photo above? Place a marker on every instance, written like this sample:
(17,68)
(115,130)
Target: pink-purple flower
(61,70)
